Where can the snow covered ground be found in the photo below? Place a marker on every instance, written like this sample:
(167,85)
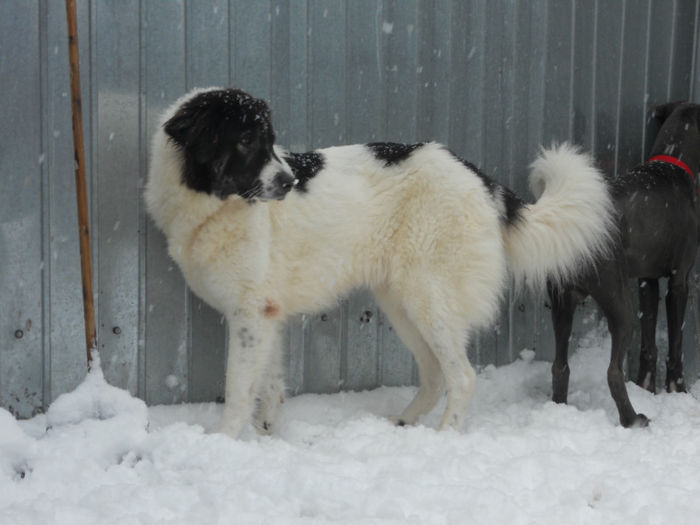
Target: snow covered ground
(106,458)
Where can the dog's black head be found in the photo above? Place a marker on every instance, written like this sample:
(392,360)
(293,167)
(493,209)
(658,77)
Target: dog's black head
(227,140)
(679,132)
(663,111)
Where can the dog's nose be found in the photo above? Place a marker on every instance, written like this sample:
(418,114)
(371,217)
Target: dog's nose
(285,181)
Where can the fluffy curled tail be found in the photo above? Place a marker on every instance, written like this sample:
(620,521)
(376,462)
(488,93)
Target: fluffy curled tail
(570,224)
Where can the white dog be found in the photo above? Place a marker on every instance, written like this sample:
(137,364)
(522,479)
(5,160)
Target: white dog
(262,234)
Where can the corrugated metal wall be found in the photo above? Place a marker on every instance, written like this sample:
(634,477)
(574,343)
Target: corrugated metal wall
(492,79)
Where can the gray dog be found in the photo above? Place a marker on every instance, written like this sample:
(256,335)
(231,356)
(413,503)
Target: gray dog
(658,237)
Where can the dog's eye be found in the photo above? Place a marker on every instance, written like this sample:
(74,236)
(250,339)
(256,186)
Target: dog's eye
(246,139)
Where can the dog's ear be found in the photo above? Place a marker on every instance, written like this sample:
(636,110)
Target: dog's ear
(662,112)
(186,129)
(181,126)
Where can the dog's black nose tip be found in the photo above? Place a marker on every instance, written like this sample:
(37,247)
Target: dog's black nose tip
(285,181)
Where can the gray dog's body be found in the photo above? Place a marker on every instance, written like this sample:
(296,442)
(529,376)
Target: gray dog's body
(658,237)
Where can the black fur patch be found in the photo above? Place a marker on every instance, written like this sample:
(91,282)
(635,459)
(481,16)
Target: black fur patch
(305,166)
(512,203)
(392,152)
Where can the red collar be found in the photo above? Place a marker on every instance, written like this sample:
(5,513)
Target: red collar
(674,161)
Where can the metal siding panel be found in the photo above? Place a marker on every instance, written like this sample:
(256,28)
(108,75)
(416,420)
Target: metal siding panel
(595,135)
(251,46)
(396,364)
(583,134)
(660,46)
(536,79)
(399,52)
(695,86)
(633,110)
(468,56)
(543,32)
(584,73)
(207,41)
(398,69)
(363,92)
(280,88)
(298,140)
(607,75)
(295,344)
(467,137)
(459,84)
(681,67)
(692,356)
(364,74)
(207,64)
(495,341)
(299,125)
(682,56)
(557,78)
(522,307)
(166,356)
(496,55)
(361,365)
(433,71)
(529,313)
(325,350)
(65,348)
(335,72)
(21,268)
(557,74)
(117,171)
(327,75)
(608,49)
(691,332)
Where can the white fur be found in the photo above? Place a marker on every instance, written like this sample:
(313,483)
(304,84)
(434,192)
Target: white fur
(571,223)
(425,235)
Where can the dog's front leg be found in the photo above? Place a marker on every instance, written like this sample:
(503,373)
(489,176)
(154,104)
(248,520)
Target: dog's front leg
(648,308)
(676,301)
(270,388)
(248,350)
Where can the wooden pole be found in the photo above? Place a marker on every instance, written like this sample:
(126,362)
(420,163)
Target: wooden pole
(80,183)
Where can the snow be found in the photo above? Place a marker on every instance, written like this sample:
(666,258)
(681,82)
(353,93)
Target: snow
(100,456)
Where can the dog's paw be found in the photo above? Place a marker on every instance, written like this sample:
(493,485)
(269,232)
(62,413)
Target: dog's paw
(676,385)
(399,421)
(640,421)
(264,428)
(647,381)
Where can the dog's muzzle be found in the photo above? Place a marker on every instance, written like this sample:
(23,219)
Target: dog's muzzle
(283,183)
(277,180)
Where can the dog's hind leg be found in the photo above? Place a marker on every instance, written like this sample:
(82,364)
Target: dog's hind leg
(432,382)
(450,348)
(445,332)
(676,301)
(613,295)
(563,308)
(648,309)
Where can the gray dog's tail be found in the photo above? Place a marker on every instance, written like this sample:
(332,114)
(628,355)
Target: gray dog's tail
(570,224)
